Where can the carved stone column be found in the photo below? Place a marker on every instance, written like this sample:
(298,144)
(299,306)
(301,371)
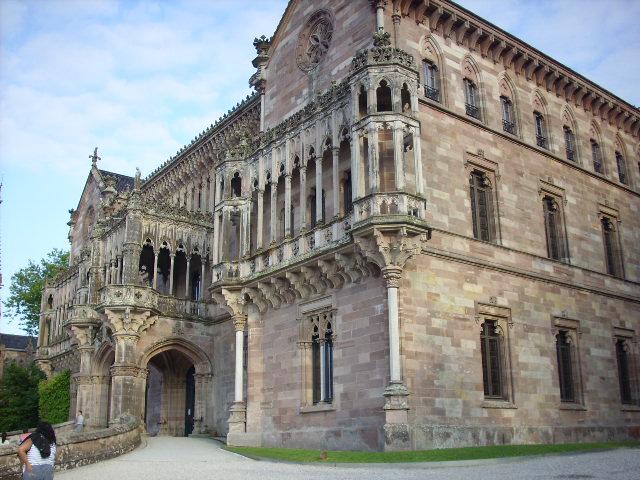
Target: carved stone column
(398,155)
(274,208)
(287,206)
(155,270)
(128,380)
(373,167)
(173,257)
(84,391)
(390,246)
(355,165)
(186,278)
(259,229)
(319,212)
(303,198)
(335,152)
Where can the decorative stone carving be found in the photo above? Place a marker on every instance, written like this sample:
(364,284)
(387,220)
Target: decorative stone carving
(314,40)
(128,322)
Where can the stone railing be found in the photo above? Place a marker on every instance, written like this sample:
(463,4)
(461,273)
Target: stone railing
(393,203)
(77,449)
(379,55)
(129,296)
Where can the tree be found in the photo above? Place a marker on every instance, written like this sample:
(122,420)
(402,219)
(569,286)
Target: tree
(25,291)
(19,396)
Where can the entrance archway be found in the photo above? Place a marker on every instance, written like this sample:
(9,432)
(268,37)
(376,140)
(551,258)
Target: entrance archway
(175,402)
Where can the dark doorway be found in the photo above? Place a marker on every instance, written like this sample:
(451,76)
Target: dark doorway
(190,402)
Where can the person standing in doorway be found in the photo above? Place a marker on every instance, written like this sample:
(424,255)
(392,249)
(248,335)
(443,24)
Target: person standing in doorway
(79,421)
(38,453)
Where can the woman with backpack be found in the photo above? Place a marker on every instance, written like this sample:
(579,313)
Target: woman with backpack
(38,453)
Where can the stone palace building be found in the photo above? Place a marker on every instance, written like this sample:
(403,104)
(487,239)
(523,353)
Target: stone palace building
(418,232)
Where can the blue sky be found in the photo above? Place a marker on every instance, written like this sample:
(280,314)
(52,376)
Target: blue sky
(139,79)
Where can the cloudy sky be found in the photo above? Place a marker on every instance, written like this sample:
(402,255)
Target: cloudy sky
(139,79)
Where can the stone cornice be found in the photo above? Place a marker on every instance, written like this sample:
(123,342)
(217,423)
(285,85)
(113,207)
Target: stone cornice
(466,28)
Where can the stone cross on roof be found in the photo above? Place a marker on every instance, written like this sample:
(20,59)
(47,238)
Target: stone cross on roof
(94,158)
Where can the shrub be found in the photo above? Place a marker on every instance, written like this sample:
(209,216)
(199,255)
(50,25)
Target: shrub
(55,398)
(19,396)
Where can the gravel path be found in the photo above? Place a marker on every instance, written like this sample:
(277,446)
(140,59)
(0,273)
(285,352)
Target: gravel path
(171,458)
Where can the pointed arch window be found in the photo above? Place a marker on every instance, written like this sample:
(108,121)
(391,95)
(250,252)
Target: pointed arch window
(611,241)
(566,374)
(541,130)
(491,346)
(472,103)
(569,143)
(383,97)
(622,168)
(625,371)
(596,154)
(431,81)
(482,206)
(319,360)
(508,116)
(553,225)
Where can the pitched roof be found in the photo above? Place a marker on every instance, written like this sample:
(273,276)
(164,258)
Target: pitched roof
(17,342)
(124,182)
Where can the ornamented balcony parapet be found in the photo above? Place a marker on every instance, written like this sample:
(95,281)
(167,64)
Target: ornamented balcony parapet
(391,204)
(382,55)
(128,296)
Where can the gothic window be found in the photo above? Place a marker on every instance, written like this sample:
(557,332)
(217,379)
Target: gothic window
(383,97)
(405,98)
(312,208)
(611,242)
(482,206)
(317,340)
(625,373)
(622,168)
(347,199)
(596,154)
(541,130)
(236,185)
(553,225)
(508,117)
(569,143)
(566,374)
(472,103)
(50,301)
(431,81)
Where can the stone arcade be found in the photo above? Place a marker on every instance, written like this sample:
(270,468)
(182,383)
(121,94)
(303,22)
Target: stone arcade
(418,232)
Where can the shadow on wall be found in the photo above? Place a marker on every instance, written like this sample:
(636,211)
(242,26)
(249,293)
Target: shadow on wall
(77,449)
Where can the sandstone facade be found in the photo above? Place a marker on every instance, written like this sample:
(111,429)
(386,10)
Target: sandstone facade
(417,232)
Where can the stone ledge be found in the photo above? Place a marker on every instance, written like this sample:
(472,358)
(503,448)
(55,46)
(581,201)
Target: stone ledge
(630,408)
(321,407)
(572,406)
(498,404)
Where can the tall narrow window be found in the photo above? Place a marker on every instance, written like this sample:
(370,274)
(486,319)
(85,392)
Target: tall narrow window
(322,365)
(508,118)
(383,97)
(481,206)
(622,168)
(624,371)
(315,362)
(431,81)
(541,130)
(569,143)
(491,349)
(611,247)
(553,228)
(347,192)
(564,352)
(596,153)
(362,101)
(471,99)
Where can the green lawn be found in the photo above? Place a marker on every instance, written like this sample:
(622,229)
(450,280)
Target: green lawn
(442,455)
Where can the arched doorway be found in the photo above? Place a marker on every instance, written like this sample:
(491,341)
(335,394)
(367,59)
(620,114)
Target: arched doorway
(170,400)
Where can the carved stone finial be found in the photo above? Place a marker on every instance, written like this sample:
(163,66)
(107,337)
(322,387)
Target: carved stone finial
(381,39)
(94,158)
(136,180)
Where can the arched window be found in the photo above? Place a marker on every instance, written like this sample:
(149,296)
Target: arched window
(492,360)
(625,372)
(405,98)
(362,101)
(596,154)
(556,240)
(569,143)
(566,374)
(610,238)
(541,130)
(482,206)
(50,301)
(383,97)
(508,117)
(322,364)
(431,81)
(472,102)
(347,193)
(622,168)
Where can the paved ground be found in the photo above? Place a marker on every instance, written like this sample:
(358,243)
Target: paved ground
(168,458)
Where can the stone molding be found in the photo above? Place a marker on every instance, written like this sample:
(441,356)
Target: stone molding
(128,322)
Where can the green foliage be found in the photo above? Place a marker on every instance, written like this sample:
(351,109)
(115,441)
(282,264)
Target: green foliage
(440,455)
(55,398)
(19,396)
(25,291)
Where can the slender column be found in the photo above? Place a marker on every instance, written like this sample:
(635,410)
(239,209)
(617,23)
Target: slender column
(155,271)
(303,197)
(119,260)
(319,217)
(246,230)
(239,376)
(212,191)
(323,373)
(259,239)
(201,296)
(186,279)
(189,193)
(203,195)
(287,205)
(379,15)
(216,239)
(374,179)
(398,155)
(335,151)
(274,200)
(238,411)
(392,277)
(171,274)
(355,165)
(417,155)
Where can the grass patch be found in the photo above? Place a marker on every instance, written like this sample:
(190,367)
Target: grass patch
(441,455)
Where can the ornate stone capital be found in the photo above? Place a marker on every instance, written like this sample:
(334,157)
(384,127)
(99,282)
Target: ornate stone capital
(127,371)
(83,334)
(232,300)
(129,323)
(390,246)
(392,276)
(239,322)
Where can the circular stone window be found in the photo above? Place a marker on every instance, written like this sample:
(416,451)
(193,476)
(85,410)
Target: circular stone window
(314,40)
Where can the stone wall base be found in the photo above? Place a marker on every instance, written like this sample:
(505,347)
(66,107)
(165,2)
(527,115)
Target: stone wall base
(427,437)
(367,438)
